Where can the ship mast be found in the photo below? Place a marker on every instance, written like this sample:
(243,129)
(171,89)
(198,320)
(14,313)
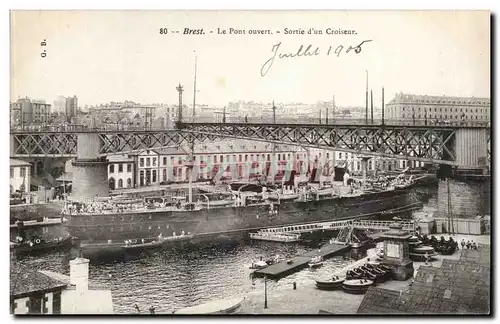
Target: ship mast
(194,93)
(190,166)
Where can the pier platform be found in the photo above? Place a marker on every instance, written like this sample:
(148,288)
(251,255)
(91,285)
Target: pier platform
(282,268)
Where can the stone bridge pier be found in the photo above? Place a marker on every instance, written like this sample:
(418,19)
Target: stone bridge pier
(90,172)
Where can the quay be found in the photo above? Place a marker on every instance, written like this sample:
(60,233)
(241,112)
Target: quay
(385,297)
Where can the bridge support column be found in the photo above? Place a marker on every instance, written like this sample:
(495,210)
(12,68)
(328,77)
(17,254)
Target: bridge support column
(469,196)
(364,167)
(90,173)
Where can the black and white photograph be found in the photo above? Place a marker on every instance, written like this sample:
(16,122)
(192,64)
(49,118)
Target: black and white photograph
(272,162)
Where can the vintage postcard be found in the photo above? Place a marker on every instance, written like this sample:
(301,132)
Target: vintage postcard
(250,162)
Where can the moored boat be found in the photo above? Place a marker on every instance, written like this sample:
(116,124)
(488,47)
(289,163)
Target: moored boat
(333,284)
(276,237)
(259,265)
(316,262)
(356,286)
(212,308)
(39,245)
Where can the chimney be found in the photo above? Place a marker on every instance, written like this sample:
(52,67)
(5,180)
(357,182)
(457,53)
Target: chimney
(79,273)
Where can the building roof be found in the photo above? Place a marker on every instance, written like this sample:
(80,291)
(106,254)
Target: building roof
(457,287)
(67,280)
(66,176)
(119,158)
(15,162)
(225,147)
(24,280)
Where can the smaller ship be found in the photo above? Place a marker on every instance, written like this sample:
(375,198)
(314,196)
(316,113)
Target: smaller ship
(40,245)
(316,262)
(275,237)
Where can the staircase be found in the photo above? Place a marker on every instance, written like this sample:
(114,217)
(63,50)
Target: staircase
(344,236)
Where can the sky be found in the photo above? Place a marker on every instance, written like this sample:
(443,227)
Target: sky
(103,56)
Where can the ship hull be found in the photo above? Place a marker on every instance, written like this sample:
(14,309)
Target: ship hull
(226,220)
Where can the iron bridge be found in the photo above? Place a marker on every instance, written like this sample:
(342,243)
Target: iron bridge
(431,144)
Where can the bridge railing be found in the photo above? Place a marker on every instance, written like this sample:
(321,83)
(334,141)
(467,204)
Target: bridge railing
(338,121)
(252,120)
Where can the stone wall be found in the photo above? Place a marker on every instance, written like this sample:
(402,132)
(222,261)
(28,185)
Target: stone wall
(468,199)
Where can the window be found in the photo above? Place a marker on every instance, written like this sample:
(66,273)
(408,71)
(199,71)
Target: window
(23,172)
(246,157)
(11,173)
(120,167)
(56,302)
(279,157)
(221,159)
(340,155)
(141,162)
(215,158)
(164,174)
(154,161)
(111,168)
(239,158)
(171,160)
(148,162)
(164,160)
(120,183)
(129,167)
(129,183)
(35,304)
(154,176)
(251,157)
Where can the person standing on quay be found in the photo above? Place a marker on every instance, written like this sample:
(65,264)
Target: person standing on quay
(463,244)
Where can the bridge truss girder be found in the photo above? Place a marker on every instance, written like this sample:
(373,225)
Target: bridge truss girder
(131,142)
(44,144)
(427,144)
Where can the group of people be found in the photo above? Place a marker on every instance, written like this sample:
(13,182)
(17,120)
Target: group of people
(101,208)
(470,245)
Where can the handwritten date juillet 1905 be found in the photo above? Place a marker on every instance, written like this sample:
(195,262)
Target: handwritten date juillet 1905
(307,50)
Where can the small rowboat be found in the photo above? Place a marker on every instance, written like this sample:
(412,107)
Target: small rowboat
(333,284)
(215,307)
(259,265)
(316,262)
(357,286)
